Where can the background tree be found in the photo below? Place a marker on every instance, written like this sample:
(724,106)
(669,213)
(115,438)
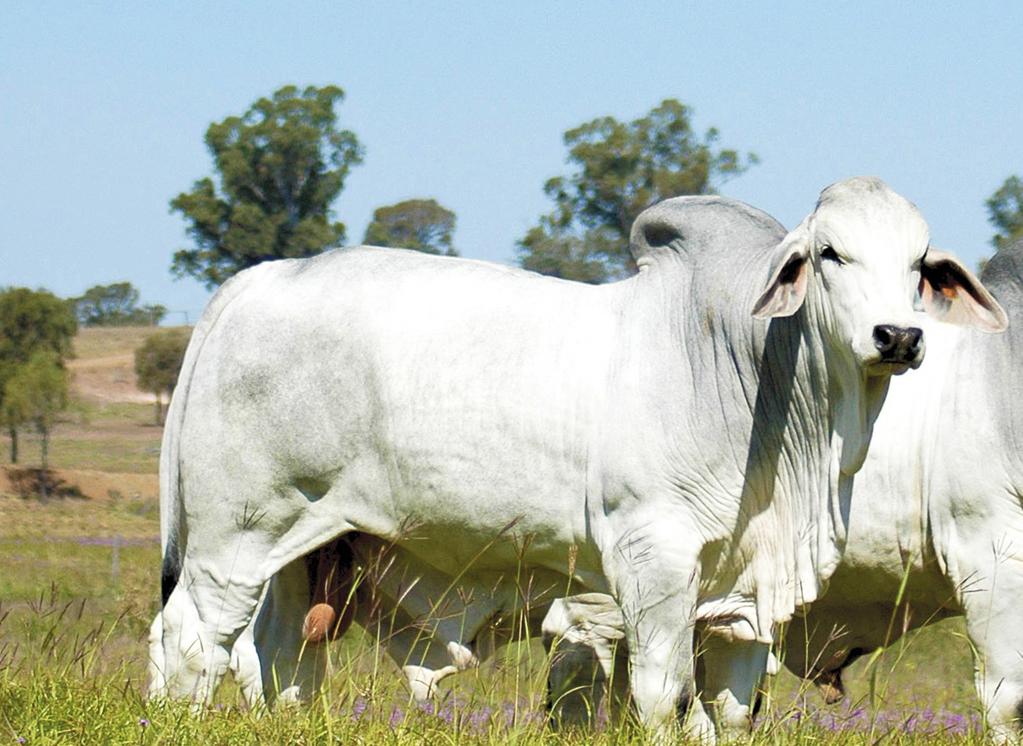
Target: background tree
(1005,212)
(31,321)
(620,170)
(116,305)
(420,224)
(158,363)
(280,167)
(36,393)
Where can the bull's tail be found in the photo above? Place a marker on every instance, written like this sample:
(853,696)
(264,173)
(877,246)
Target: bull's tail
(172,534)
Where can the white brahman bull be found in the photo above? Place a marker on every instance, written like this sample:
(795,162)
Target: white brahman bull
(690,458)
(938,507)
(935,529)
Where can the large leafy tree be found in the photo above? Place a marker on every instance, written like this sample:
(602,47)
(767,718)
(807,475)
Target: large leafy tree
(116,305)
(280,166)
(31,321)
(620,169)
(1005,212)
(158,364)
(420,224)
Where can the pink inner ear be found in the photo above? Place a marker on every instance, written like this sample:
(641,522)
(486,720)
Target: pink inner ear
(786,293)
(958,299)
(800,282)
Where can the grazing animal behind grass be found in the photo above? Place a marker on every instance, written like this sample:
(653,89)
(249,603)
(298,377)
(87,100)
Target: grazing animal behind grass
(686,436)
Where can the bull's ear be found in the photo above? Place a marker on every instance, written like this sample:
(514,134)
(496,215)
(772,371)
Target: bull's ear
(951,293)
(789,271)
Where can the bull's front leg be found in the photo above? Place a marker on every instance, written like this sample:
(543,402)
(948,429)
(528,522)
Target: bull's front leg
(655,576)
(582,636)
(729,674)
(990,591)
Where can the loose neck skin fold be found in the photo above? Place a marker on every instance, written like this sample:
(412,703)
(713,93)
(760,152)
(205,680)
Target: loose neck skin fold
(762,411)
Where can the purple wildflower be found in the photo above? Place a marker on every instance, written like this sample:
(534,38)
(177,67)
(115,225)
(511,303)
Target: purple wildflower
(397,716)
(478,719)
(359,707)
(21,739)
(143,723)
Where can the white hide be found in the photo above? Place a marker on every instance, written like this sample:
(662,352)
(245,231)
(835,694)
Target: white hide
(937,506)
(691,460)
(935,518)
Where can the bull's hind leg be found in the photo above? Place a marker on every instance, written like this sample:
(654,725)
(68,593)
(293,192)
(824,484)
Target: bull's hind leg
(217,593)
(418,614)
(587,664)
(157,686)
(203,616)
(291,667)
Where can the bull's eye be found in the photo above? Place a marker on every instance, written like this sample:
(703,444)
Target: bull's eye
(830,255)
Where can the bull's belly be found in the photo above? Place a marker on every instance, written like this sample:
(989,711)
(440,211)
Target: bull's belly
(495,539)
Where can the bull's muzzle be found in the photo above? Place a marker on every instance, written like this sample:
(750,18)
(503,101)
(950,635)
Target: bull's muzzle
(898,345)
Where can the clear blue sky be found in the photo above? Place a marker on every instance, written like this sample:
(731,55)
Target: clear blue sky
(103,107)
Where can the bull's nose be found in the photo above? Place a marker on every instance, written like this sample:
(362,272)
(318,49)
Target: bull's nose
(897,344)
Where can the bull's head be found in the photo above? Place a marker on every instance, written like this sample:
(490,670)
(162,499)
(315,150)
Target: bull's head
(862,258)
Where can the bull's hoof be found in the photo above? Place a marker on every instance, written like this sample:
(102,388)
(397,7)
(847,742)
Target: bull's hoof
(829,684)
(320,620)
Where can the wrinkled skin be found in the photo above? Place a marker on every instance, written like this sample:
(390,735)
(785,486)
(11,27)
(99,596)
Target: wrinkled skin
(515,421)
(935,520)
(938,507)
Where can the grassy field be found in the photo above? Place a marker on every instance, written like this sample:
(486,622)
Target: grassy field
(78,588)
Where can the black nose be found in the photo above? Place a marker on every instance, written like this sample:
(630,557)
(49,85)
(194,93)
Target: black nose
(896,344)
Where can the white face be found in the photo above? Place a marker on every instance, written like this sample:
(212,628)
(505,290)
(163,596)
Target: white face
(860,261)
(866,246)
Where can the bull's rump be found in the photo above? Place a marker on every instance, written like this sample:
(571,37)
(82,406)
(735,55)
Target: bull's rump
(453,397)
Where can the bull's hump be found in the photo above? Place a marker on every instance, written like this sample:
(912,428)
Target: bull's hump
(1003,275)
(703,225)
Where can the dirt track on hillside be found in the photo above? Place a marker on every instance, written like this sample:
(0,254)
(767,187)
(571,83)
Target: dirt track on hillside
(104,369)
(91,484)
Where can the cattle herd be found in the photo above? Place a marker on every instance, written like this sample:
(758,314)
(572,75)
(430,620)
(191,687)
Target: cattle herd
(687,476)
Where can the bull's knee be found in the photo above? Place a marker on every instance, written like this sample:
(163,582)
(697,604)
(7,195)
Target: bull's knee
(462,657)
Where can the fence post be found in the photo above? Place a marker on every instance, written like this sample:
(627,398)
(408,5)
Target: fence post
(115,561)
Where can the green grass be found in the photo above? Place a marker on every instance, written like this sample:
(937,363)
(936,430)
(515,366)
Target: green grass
(73,654)
(102,436)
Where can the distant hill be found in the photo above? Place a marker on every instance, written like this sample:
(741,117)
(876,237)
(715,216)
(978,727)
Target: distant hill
(107,444)
(104,364)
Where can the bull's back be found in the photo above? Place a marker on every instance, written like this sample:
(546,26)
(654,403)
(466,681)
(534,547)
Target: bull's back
(466,392)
